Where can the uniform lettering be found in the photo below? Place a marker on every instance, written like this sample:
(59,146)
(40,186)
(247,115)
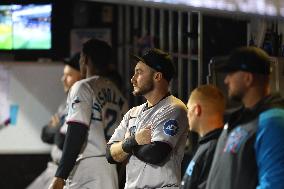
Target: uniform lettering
(97,114)
(105,95)
(109,96)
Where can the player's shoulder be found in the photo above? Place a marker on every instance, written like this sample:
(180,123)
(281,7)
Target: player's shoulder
(91,80)
(134,111)
(174,102)
(80,84)
(271,119)
(96,81)
(272,113)
(103,82)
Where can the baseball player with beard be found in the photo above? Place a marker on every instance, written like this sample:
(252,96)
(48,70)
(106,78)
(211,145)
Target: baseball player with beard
(152,135)
(54,132)
(95,108)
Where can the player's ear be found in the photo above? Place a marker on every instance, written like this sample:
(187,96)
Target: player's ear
(158,76)
(249,78)
(197,110)
(86,60)
(83,59)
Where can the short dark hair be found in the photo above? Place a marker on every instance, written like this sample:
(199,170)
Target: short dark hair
(99,52)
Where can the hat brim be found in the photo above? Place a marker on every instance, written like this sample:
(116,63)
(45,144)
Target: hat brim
(224,66)
(226,69)
(137,58)
(148,63)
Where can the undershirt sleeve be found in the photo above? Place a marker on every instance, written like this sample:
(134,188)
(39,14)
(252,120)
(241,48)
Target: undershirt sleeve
(155,153)
(75,138)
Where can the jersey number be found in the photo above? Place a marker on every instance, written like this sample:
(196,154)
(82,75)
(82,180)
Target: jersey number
(111,116)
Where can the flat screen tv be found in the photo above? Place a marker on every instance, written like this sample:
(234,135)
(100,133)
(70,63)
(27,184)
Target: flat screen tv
(25,27)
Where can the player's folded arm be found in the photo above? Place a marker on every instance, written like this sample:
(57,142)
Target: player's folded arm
(48,133)
(74,141)
(109,156)
(155,153)
(116,154)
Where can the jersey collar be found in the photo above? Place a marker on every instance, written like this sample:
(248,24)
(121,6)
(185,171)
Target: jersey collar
(146,105)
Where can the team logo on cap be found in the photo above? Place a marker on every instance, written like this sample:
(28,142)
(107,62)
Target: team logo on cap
(171,127)
(243,66)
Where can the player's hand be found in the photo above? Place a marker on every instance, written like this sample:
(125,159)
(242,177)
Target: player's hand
(55,120)
(143,136)
(57,183)
(127,134)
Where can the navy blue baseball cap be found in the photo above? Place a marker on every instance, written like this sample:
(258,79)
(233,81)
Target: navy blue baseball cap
(73,61)
(159,61)
(248,59)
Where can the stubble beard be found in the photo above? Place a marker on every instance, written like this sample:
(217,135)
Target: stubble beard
(236,96)
(144,90)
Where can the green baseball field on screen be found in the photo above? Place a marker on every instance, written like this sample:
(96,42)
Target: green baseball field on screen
(39,41)
(5,36)
(26,26)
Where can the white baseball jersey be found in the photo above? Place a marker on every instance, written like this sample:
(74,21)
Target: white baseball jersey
(169,124)
(45,178)
(97,103)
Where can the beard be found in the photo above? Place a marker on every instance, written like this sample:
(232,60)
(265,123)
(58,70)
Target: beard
(236,96)
(146,88)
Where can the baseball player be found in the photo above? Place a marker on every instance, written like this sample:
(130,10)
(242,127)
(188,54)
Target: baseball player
(95,107)
(152,135)
(54,132)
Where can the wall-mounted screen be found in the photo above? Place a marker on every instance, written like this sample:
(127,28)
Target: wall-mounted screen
(26,26)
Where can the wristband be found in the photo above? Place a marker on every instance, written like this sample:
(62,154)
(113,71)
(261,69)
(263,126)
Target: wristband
(128,144)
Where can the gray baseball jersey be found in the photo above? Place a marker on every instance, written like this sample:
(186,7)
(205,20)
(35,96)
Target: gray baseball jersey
(97,103)
(169,124)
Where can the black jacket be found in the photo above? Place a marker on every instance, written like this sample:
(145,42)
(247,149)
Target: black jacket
(250,150)
(198,169)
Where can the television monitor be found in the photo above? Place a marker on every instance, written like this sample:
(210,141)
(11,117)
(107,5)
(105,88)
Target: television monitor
(25,27)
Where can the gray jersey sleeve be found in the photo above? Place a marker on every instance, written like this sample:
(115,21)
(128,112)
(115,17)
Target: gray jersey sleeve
(79,104)
(169,125)
(121,130)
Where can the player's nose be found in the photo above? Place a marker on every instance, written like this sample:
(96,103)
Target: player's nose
(132,80)
(63,78)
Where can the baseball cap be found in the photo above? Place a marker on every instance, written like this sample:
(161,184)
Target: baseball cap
(248,59)
(159,61)
(73,61)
